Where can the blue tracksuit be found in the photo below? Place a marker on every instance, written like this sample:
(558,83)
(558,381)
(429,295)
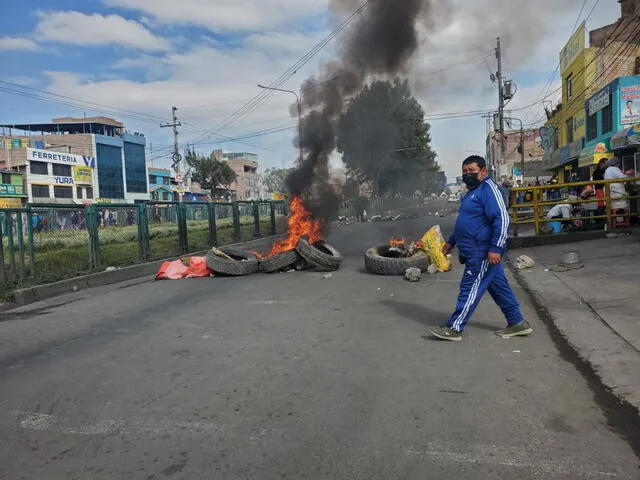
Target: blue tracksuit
(482,228)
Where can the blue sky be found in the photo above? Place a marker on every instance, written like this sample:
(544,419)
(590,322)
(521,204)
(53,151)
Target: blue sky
(137,58)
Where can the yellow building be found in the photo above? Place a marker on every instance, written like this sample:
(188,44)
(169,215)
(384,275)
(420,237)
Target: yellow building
(567,121)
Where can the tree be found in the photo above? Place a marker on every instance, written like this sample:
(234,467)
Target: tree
(209,172)
(273,180)
(384,139)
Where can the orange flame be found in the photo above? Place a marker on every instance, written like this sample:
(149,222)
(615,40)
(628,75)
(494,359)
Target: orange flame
(258,255)
(398,243)
(301,224)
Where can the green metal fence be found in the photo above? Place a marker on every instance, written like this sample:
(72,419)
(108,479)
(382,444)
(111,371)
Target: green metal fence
(46,243)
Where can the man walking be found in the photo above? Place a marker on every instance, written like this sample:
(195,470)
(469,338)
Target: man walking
(481,237)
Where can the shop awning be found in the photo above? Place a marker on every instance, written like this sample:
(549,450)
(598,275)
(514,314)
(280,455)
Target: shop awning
(593,154)
(627,137)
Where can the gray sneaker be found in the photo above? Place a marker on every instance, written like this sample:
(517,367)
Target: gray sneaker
(519,330)
(445,333)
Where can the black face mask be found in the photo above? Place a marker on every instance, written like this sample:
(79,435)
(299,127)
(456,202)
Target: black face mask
(471,180)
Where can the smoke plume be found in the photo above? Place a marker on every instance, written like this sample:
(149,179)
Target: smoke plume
(379,44)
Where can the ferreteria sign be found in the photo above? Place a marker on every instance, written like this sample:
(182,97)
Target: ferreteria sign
(57,157)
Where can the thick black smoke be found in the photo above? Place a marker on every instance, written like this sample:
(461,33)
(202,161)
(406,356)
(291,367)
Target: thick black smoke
(380,44)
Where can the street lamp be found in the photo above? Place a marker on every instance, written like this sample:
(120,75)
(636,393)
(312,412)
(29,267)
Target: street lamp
(299,104)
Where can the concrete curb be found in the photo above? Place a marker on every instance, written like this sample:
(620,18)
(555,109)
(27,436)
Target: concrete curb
(514,243)
(609,363)
(37,293)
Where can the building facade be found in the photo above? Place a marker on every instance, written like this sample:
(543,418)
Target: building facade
(246,166)
(587,74)
(13,193)
(116,158)
(510,169)
(161,184)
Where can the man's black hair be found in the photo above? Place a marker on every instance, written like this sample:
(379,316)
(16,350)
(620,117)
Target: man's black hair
(477,159)
(629,101)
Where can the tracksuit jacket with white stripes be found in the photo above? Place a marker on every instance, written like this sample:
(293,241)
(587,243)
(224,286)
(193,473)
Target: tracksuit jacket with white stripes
(481,228)
(483,222)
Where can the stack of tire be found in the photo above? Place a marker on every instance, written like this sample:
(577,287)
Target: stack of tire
(318,256)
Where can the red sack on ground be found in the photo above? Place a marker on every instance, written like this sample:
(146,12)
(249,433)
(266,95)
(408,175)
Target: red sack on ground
(171,270)
(198,268)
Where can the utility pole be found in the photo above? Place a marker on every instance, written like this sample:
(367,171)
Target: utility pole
(500,105)
(176,157)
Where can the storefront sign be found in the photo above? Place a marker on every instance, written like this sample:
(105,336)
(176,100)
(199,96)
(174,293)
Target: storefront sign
(630,105)
(63,180)
(58,157)
(572,49)
(599,101)
(11,190)
(83,175)
(277,196)
(103,200)
(10,203)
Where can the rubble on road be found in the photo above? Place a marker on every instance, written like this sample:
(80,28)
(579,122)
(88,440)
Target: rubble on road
(524,262)
(413,275)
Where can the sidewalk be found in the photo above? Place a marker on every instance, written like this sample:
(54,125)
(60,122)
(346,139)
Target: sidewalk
(594,308)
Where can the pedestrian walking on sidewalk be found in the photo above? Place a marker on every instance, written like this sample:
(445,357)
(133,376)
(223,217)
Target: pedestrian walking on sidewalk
(481,237)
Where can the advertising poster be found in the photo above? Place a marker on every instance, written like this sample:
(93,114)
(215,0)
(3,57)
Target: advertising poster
(630,105)
(83,175)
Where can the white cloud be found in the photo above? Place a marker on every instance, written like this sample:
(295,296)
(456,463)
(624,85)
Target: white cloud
(225,15)
(96,29)
(18,43)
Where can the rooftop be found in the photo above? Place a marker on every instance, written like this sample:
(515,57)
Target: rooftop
(72,125)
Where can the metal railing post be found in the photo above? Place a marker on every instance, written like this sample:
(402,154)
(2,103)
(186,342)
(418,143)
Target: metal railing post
(19,227)
(91,216)
(256,219)
(32,256)
(143,233)
(213,227)
(607,206)
(8,221)
(536,211)
(236,222)
(272,206)
(182,228)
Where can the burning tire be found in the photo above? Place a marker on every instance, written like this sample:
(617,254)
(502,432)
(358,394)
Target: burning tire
(241,262)
(320,255)
(376,262)
(280,261)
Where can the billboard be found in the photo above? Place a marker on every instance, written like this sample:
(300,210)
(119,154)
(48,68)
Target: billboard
(630,105)
(572,49)
(58,157)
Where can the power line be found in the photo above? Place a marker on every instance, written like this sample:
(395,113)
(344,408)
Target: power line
(263,95)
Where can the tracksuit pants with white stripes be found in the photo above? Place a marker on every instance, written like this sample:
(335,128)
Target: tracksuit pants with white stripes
(478,278)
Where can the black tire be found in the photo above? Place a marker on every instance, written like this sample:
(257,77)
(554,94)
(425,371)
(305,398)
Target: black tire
(279,262)
(380,265)
(243,263)
(320,255)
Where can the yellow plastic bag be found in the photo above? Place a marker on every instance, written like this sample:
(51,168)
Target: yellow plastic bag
(432,242)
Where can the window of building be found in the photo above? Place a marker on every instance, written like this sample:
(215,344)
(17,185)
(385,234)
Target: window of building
(135,168)
(165,196)
(89,192)
(40,191)
(61,170)
(110,181)
(39,168)
(153,179)
(62,192)
(555,140)
(79,193)
(247,194)
(166,180)
(570,130)
(592,126)
(570,87)
(607,118)
(6,178)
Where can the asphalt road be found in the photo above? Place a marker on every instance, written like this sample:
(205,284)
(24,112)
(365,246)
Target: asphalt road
(292,376)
